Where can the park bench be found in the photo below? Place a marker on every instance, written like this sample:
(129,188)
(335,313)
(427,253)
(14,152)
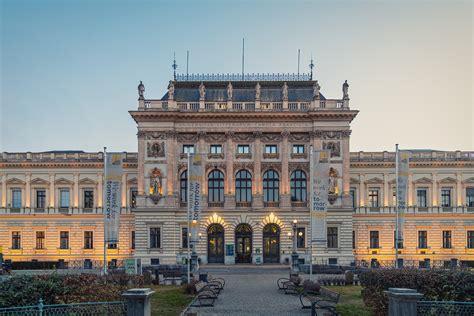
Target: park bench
(324,300)
(205,294)
(289,285)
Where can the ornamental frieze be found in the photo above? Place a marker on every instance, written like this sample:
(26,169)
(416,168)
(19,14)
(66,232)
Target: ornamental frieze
(242,137)
(156,149)
(243,165)
(330,134)
(298,137)
(270,165)
(271,137)
(215,165)
(215,138)
(188,137)
(292,166)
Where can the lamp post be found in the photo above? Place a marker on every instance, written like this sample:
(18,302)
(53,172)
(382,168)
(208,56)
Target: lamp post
(294,255)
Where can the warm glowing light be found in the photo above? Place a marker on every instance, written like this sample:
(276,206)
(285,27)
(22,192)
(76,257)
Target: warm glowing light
(289,234)
(194,221)
(200,234)
(295,221)
(300,234)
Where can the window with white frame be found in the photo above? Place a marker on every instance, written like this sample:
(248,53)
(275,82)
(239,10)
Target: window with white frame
(446,197)
(374,197)
(422,197)
(216,149)
(40,198)
(332,237)
(16,198)
(422,239)
(64,198)
(470,197)
(64,240)
(271,149)
(243,149)
(188,149)
(88,198)
(298,149)
(16,240)
(155,237)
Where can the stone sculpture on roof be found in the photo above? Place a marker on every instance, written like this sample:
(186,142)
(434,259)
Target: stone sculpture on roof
(171,90)
(345,90)
(257,91)
(202,91)
(229,91)
(316,89)
(284,91)
(141,90)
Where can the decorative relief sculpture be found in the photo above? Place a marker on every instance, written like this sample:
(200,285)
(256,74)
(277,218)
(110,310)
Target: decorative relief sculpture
(202,91)
(156,149)
(292,166)
(333,185)
(257,91)
(270,165)
(171,134)
(334,147)
(242,137)
(299,137)
(141,90)
(331,134)
(219,138)
(187,137)
(171,91)
(229,91)
(284,91)
(229,134)
(243,165)
(257,134)
(216,165)
(285,133)
(316,89)
(345,90)
(271,137)
(156,188)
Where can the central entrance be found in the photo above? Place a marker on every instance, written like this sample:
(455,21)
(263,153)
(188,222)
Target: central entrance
(271,243)
(215,244)
(243,243)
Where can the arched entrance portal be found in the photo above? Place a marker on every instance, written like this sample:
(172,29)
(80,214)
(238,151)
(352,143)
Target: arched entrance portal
(215,244)
(271,243)
(243,243)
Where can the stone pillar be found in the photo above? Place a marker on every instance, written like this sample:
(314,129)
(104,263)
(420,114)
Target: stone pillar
(75,201)
(52,193)
(3,179)
(99,190)
(402,302)
(410,201)
(229,161)
(386,190)
(434,190)
(124,190)
(172,176)
(138,301)
(459,190)
(28,190)
(285,196)
(257,183)
(362,193)
(141,162)
(346,171)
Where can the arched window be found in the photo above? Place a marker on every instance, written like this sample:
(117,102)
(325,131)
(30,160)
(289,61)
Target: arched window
(298,186)
(271,186)
(243,186)
(215,186)
(183,187)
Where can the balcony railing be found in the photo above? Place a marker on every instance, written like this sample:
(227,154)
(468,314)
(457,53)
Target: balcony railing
(299,204)
(215,204)
(413,210)
(243,204)
(271,204)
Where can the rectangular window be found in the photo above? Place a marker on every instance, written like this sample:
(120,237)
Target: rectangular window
(133,197)
(400,242)
(216,149)
(184,237)
(40,198)
(422,239)
(447,243)
(133,239)
(40,237)
(298,149)
(470,239)
(64,198)
(88,240)
(16,198)
(155,237)
(353,239)
(446,197)
(332,237)
(421,197)
(332,260)
(112,245)
(16,240)
(243,149)
(88,199)
(64,240)
(470,197)
(374,198)
(188,149)
(374,239)
(271,149)
(300,237)
(394,196)
(352,192)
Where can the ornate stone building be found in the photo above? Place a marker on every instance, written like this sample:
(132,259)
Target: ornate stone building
(256,135)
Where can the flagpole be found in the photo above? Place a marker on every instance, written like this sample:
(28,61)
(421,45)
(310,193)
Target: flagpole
(310,213)
(189,213)
(104,187)
(396,206)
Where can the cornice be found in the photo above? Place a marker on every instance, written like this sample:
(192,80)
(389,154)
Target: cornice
(418,164)
(84,165)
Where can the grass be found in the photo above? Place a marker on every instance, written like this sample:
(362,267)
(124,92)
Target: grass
(169,300)
(350,301)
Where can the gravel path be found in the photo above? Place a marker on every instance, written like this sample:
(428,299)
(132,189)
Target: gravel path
(254,293)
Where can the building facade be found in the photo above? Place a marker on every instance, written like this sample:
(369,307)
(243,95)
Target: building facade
(256,135)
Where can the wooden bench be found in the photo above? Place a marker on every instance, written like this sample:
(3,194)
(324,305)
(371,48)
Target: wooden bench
(289,285)
(206,294)
(324,300)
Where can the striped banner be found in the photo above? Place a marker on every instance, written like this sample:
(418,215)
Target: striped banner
(320,186)
(195,178)
(403,161)
(112,196)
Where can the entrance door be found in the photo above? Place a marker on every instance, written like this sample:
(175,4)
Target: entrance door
(243,244)
(271,244)
(215,244)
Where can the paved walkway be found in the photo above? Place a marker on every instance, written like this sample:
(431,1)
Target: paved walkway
(251,291)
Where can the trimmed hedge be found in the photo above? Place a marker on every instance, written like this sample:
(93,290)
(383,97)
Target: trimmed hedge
(65,289)
(435,284)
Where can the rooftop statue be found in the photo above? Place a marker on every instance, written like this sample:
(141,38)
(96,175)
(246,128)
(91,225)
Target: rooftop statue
(316,88)
(141,90)
(345,90)
(257,91)
(202,91)
(284,91)
(171,90)
(229,91)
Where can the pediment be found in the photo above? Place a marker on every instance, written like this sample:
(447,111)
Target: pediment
(15,181)
(39,181)
(447,180)
(374,180)
(87,181)
(468,180)
(355,181)
(63,181)
(423,180)
(132,181)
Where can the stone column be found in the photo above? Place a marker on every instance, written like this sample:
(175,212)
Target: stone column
(172,168)
(138,301)
(285,197)
(3,179)
(257,178)
(346,170)
(229,161)
(386,190)
(28,190)
(124,190)
(410,201)
(434,190)
(459,190)
(362,190)
(99,190)
(75,201)
(402,302)
(141,162)
(52,193)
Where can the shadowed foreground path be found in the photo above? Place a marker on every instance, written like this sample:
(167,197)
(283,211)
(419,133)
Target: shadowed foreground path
(251,291)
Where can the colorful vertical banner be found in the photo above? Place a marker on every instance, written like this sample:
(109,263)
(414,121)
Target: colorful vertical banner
(195,178)
(112,196)
(403,160)
(320,186)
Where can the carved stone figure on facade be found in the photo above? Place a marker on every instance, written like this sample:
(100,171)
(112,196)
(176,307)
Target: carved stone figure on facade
(229,91)
(284,91)
(345,90)
(156,189)
(316,89)
(333,182)
(156,149)
(334,147)
(257,91)
(141,90)
(171,90)
(202,91)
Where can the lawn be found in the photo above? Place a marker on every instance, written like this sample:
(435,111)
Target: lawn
(350,302)
(169,300)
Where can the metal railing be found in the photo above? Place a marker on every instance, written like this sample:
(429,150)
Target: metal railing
(77,309)
(244,77)
(445,308)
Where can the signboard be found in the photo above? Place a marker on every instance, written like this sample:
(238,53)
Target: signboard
(112,196)
(320,186)
(402,188)
(229,250)
(130,266)
(195,178)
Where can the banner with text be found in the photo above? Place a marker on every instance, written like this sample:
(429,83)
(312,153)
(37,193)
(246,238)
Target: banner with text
(403,161)
(320,186)
(112,196)
(195,178)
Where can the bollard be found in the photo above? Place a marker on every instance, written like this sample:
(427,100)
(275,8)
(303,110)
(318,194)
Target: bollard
(138,302)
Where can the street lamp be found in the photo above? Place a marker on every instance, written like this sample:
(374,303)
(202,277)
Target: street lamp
(294,255)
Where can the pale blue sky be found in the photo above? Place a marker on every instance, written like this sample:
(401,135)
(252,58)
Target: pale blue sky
(69,69)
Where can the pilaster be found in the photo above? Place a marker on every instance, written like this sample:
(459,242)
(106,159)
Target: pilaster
(257,185)
(28,190)
(76,190)
(434,194)
(52,192)
(141,162)
(124,190)
(285,198)
(386,190)
(3,179)
(459,190)
(362,193)
(100,196)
